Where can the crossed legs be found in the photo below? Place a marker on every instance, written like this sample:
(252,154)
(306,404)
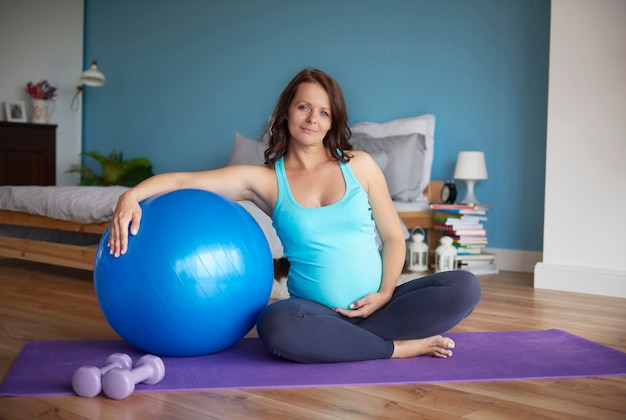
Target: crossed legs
(409,325)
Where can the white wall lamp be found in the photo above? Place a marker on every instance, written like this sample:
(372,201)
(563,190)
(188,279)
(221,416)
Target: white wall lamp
(90,77)
(470,167)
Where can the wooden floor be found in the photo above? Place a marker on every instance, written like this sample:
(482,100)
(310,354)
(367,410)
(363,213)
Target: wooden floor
(50,303)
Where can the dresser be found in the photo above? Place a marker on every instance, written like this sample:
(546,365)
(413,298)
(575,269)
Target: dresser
(27,154)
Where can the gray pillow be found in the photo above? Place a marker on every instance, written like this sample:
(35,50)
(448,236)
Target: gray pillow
(381,159)
(422,124)
(404,171)
(247,152)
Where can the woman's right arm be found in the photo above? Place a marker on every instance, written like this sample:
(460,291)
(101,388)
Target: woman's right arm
(240,182)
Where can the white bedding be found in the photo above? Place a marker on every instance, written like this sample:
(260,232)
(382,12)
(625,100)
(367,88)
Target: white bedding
(76,204)
(420,204)
(81,204)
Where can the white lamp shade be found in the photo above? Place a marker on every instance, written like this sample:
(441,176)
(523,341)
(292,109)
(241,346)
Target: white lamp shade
(470,165)
(92,76)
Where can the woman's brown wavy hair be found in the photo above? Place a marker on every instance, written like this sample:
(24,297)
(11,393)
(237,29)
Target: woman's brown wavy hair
(336,139)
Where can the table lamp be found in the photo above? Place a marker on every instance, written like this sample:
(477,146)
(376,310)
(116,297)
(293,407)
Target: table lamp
(470,167)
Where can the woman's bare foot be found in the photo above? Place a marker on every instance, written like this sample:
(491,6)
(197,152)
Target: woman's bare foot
(437,346)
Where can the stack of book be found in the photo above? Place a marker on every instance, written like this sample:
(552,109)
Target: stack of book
(465,224)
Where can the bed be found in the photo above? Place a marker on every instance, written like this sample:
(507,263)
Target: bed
(63,225)
(55,225)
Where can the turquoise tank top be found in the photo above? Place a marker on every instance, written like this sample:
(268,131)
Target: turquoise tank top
(332,250)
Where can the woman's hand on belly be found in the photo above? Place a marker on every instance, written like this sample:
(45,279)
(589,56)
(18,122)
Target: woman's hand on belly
(365,306)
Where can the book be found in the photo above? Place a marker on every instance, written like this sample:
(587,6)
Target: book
(478,212)
(443,226)
(458,218)
(467,239)
(460,225)
(455,226)
(459,247)
(468,251)
(482,263)
(458,221)
(441,206)
(478,245)
(462,232)
(446,215)
(464,259)
(467,220)
(460,208)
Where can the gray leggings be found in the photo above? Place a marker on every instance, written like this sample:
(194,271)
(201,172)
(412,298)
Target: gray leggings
(305,331)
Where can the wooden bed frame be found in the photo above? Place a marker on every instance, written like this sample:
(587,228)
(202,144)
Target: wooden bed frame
(83,257)
(75,256)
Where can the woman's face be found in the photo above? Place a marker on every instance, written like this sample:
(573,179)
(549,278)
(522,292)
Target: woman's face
(309,118)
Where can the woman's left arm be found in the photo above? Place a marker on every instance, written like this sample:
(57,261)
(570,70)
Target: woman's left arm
(389,230)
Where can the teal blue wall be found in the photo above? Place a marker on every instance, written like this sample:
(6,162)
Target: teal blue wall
(183,77)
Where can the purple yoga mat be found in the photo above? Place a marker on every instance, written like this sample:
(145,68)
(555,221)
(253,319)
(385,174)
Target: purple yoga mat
(46,367)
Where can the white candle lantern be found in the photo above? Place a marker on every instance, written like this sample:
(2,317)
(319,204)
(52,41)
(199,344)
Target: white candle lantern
(445,258)
(417,252)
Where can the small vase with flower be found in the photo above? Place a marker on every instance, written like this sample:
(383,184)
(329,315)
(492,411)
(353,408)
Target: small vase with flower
(42,93)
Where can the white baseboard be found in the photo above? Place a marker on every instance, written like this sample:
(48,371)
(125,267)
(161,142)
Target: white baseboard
(595,281)
(515,260)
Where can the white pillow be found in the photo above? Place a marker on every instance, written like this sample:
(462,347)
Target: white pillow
(423,124)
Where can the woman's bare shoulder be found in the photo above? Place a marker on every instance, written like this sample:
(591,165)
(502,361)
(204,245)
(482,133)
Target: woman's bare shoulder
(366,169)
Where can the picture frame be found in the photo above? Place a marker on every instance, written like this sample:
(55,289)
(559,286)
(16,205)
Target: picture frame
(15,111)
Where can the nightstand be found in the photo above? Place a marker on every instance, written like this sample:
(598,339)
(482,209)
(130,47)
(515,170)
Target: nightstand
(424,218)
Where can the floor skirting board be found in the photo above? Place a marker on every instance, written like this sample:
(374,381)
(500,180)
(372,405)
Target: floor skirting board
(515,260)
(591,280)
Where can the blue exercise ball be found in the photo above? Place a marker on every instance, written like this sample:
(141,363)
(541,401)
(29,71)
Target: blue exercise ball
(193,280)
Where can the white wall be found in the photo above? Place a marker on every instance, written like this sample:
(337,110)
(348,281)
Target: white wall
(43,39)
(585,223)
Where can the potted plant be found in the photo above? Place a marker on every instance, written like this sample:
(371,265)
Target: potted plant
(115,170)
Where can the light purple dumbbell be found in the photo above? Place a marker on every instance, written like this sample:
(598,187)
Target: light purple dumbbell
(120,383)
(87,380)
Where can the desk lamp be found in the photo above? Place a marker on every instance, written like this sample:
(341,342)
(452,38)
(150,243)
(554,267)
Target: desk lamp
(470,167)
